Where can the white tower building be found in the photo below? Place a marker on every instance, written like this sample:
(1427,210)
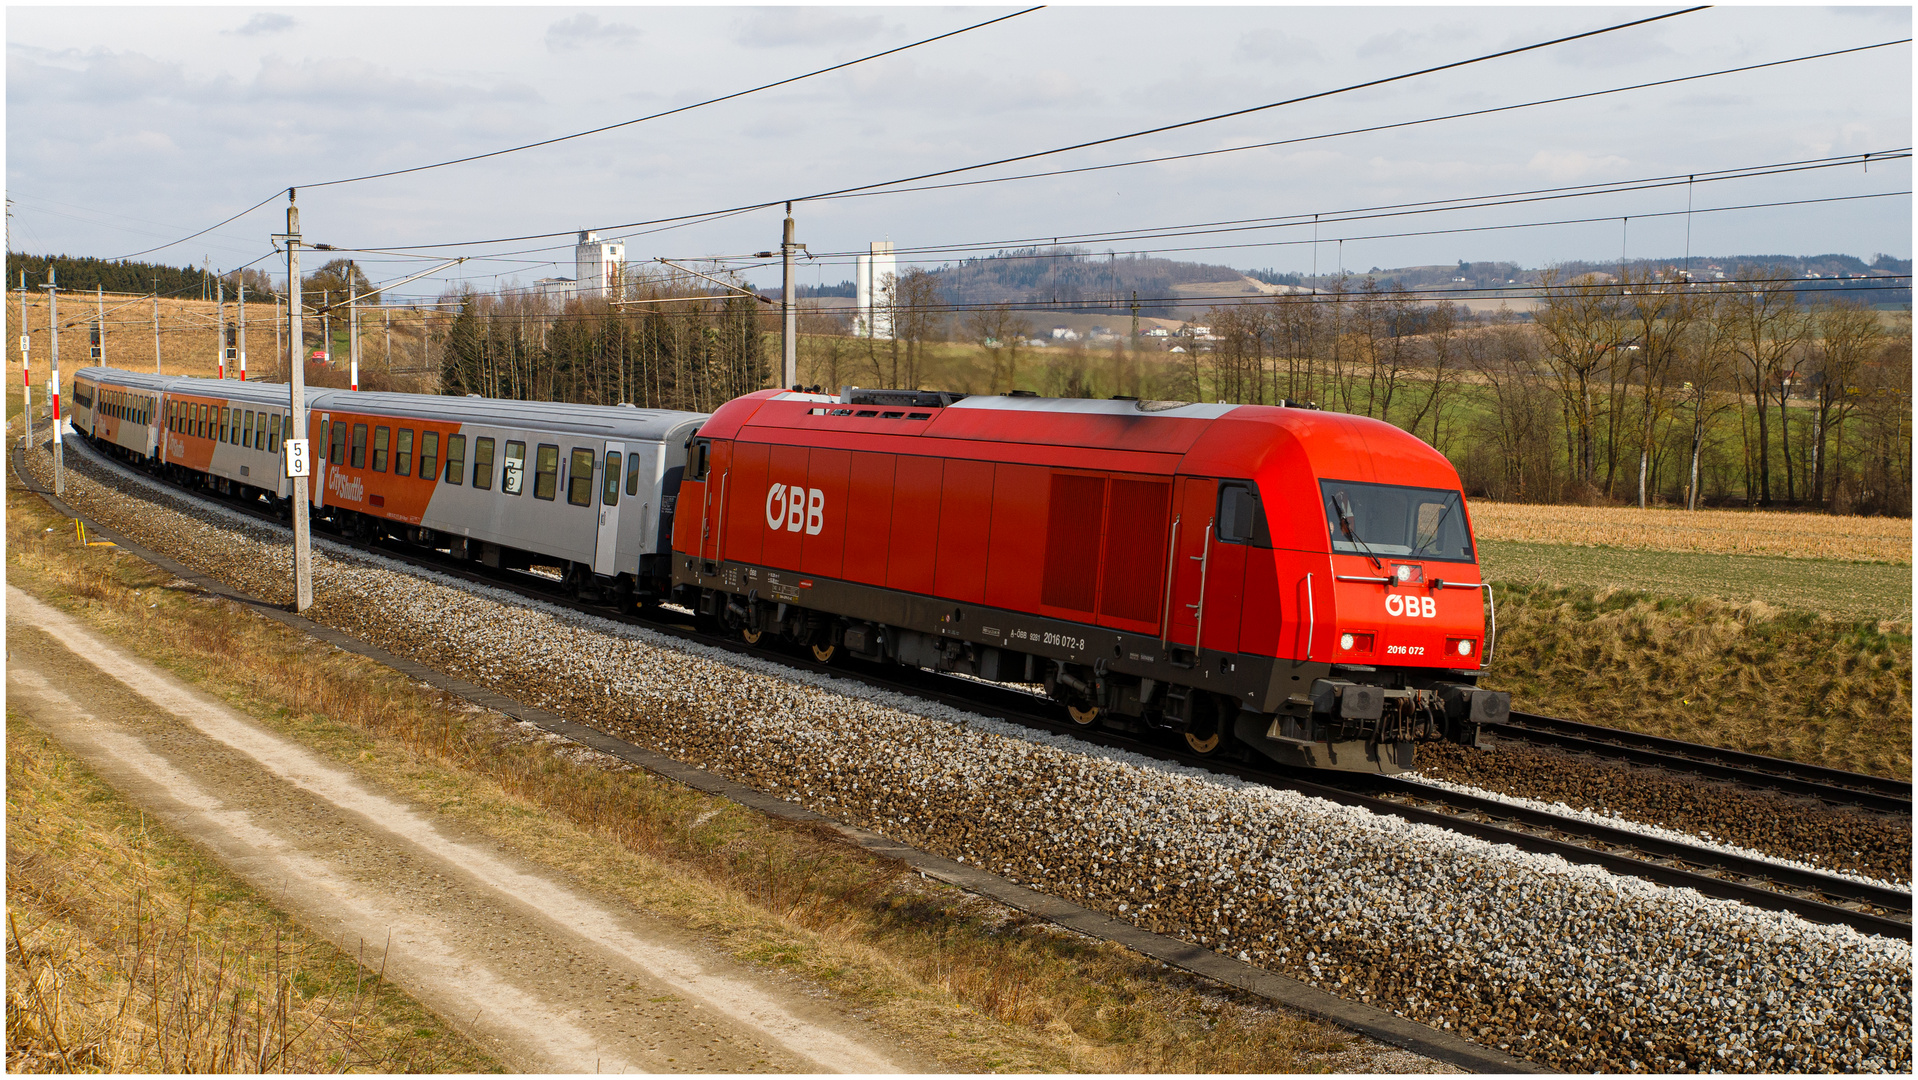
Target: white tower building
(597,266)
(871,316)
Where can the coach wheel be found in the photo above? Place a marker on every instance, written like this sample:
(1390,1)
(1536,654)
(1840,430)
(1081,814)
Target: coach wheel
(750,636)
(825,653)
(1083,717)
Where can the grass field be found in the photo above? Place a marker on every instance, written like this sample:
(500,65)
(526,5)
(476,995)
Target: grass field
(1843,590)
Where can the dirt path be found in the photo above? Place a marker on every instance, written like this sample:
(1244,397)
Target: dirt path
(549,978)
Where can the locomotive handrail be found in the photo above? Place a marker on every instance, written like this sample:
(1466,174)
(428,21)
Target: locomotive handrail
(1353,577)
(1311,617)
(1205,564)
(1171,573)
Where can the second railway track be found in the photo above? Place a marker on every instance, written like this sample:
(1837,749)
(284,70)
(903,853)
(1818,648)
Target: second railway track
(1874,793)
(1761,883)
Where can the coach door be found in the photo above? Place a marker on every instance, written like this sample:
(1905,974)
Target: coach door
(606,551)
(1192,543)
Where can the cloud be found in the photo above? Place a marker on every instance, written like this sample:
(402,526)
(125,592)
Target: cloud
(1572,164)
(1269,46)
(774,27)
(266,22)
(584,31)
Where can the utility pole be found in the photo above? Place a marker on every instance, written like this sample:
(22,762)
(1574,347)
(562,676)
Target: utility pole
(219,325)
(100,320)
(53,383)
(26,366)
(296,448)
(156,327)
(789,327)
(326,324)
(243,330)
(352,330)
(386,314)
(279,345)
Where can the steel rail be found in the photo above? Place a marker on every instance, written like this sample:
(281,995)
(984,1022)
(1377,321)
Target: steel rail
(1813,896)
(1875,793)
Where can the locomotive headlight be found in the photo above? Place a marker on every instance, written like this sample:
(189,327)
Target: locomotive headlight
(1345,641)
(1465,647)
(1405,572)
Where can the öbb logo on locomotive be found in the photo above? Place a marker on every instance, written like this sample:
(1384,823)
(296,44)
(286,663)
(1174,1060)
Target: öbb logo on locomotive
(798,508)
(1411,607)
(1215,572)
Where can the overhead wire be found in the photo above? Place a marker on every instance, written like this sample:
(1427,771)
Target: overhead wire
(1368,84)
(1373,128)
(598,130)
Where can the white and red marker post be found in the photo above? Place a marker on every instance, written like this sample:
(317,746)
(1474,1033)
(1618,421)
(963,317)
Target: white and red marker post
(26,365)
(219,322)
(53,383)
(243,331)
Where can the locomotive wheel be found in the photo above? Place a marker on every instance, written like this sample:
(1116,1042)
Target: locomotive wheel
(1205,734)
(750,636)
(1085,717)
(1203,744)
(825,653)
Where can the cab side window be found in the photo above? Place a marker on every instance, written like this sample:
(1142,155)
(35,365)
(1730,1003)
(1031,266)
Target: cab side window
(1242,516)
(701,459)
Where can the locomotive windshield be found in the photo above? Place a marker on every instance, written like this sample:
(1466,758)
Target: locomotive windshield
(1386,519)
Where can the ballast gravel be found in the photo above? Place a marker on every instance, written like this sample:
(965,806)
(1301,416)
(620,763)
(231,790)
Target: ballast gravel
(1566,965)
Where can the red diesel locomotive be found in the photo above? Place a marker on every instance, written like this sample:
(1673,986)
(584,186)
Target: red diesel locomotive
(1299,583)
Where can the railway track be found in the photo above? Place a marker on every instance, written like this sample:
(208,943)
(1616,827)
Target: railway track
(1834,786)
(1811,895)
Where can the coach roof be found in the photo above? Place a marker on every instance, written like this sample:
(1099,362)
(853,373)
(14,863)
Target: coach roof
(595,421)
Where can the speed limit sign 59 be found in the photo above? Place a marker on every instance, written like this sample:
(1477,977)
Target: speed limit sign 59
(297,463)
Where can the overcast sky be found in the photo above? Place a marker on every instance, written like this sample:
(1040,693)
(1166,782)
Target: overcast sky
(132,127)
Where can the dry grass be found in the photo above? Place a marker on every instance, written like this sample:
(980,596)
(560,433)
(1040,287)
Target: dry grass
(130,951)
(1725,532)
(974,985)
(1751,677)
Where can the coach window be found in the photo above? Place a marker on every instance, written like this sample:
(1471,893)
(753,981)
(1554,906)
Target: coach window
(546,482)
(382,438)
(1242,516)
(246,431)
(579,478)
(455,458)
(403,453)
(512,473)
(609,485)
(359,446)
(483,463)
(336,447)
(226,423)
(632,475)
(429,455)
(272,432)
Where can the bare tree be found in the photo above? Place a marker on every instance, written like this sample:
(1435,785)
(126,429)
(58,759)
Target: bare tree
(1849,336)
(1658,314)
(1579,330)
(1000,331)
(1767,327)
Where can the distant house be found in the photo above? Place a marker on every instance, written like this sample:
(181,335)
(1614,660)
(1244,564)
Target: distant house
(1064,333)
(1157,331)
